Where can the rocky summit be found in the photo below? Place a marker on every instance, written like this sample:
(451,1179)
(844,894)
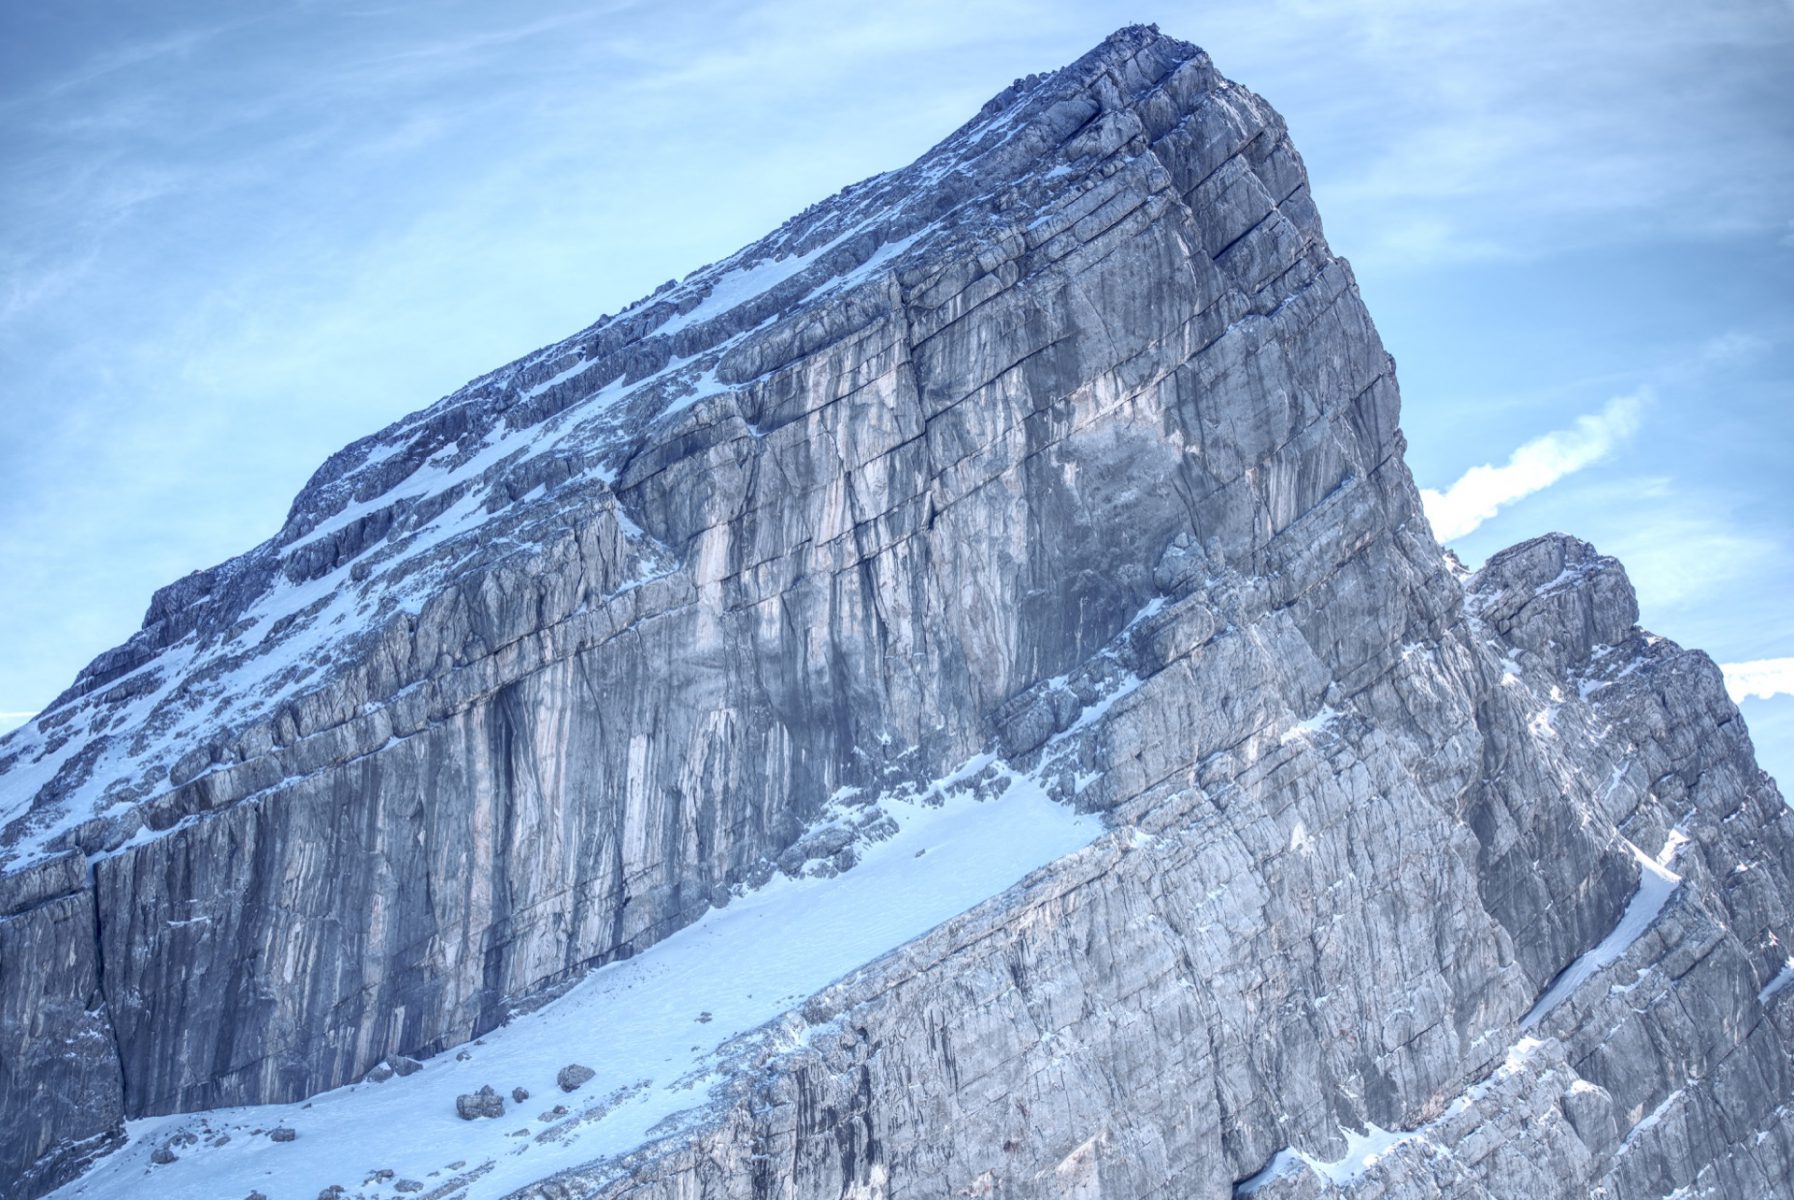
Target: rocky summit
(957,699)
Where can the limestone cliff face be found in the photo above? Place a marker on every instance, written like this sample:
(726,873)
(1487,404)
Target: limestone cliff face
(1071,442)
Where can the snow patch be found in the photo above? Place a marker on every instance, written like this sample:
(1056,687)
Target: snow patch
(1779,984)
(1650,1121)
(1301,839)
(1365,1150)
(1307,731)
(737,286)
(656,1028)
(1656,883)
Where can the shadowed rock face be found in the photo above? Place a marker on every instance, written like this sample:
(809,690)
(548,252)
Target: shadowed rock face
(1072,441)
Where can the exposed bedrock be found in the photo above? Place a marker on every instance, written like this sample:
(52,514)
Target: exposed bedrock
(1073,441)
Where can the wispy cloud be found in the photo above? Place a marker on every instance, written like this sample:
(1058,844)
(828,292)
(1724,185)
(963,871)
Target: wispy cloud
(110,62)
(1659,541)
(1540,126)
(1431,241)
(1759,679)
(1733,347)
(1483,491)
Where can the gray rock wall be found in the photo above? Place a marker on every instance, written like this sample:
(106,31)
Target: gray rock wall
(1112,406)
(1284,940)
(59,1072)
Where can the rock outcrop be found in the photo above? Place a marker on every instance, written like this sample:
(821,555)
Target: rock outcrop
(1071,443)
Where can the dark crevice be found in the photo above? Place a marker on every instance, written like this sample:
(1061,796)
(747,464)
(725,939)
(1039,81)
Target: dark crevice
(99,974)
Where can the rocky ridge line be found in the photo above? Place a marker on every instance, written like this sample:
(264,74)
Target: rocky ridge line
(1100,470)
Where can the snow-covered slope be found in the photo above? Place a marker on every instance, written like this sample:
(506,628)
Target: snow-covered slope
(658,1030)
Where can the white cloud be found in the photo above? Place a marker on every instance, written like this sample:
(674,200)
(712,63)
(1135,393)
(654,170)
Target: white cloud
(1427,241)
(1658,542)
(1760,678)
(1733,346)
(1483,491)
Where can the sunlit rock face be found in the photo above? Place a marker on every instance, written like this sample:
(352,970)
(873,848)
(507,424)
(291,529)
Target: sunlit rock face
(1070,444)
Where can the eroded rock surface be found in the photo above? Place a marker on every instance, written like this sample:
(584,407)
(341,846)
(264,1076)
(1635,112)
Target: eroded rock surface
(1071,442)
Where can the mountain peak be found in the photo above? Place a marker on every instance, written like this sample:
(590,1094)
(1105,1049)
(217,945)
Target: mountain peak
(959,697)
(400,514)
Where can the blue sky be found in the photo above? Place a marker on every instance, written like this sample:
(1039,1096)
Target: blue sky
(234,238)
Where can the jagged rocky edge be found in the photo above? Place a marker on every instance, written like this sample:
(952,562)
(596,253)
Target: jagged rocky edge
(1544,628)
(1483,612)
(1556,624)
(229,659)
(55,759)
(318,720)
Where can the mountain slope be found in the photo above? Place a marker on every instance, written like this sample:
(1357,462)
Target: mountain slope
(1068,448)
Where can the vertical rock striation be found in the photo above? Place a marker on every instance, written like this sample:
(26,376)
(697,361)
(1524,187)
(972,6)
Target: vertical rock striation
(1072,442)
